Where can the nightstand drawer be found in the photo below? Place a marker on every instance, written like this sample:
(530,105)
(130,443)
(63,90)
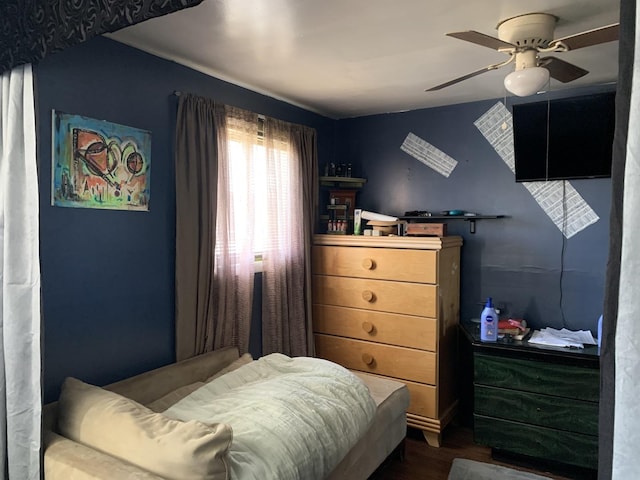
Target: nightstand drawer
(378,263)
(565,447)
(387,360)
(537,409)
(390,328)
(379,295)
(539,377)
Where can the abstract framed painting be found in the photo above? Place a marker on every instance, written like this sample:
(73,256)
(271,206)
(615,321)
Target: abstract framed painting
(99,164)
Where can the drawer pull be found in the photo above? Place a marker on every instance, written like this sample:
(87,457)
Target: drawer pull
(367,358)
(367,327)
(368,264)
(367,296)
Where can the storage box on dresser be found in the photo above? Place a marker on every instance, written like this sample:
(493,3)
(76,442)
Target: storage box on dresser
(390,306)
(537,405)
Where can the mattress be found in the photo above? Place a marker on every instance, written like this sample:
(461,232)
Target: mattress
(387,431)
(66,459)
(292,417)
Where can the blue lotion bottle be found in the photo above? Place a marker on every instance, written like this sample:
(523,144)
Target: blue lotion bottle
(600,331)
(489,323)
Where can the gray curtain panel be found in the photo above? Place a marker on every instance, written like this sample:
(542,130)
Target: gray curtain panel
(32,29)
(286,317)
(607,352)
(196,162)
(286,280)
(305,144)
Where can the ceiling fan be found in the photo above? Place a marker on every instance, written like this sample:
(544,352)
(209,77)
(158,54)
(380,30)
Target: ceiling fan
(524,38)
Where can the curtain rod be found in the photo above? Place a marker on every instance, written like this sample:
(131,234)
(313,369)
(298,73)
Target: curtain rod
(177,93)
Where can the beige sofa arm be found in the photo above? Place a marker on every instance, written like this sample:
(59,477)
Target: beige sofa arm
(149,386)
(68,460)
(65,459)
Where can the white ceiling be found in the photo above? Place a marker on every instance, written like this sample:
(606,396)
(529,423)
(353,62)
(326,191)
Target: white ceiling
(348,58)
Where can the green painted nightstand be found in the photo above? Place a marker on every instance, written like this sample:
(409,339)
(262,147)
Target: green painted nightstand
(536,405)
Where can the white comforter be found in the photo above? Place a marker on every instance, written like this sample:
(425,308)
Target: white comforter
(292,418)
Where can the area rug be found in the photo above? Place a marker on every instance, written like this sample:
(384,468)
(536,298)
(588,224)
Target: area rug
(463,469)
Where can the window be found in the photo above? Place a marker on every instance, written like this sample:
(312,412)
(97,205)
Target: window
(261,191)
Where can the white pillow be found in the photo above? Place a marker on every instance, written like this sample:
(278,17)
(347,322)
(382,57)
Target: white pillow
(127,430)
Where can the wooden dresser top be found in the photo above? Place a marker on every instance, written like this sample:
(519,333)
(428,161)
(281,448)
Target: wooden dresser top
(390,241)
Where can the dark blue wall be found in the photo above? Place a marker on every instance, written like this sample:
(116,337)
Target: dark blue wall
(522,261)
(108,276)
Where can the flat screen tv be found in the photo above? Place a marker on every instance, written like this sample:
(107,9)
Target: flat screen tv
(563,139)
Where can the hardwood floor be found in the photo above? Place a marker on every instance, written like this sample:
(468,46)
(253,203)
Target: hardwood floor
(427,463)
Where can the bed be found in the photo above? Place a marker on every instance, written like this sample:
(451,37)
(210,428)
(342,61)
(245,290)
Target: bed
(222,416)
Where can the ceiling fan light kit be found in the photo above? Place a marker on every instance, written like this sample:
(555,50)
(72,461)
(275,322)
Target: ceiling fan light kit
(523,38)
(527,81)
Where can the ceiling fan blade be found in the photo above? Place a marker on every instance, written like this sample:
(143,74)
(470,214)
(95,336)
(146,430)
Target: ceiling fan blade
(561,70)
(605,34)
(482,39)
(460,79)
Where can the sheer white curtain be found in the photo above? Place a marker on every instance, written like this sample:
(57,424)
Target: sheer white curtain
(234,252)
(626,431)
(20,391)
(260,211)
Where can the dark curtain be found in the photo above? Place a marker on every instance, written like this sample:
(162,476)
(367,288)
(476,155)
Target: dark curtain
(32,29)
(198,120)
(607,352)
(304,142)
(286,278)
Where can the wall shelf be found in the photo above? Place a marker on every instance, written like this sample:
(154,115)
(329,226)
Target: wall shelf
(342,182)
(467,218)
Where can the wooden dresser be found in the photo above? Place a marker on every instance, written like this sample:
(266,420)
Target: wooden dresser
(537,405)
(390,306)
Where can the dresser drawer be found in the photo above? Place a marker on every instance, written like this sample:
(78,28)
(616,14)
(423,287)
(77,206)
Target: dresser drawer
(565,447)
(390,328)
(380,295)
(406,265)
(423,399)
(544,410)
(387,360)
(539,377)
